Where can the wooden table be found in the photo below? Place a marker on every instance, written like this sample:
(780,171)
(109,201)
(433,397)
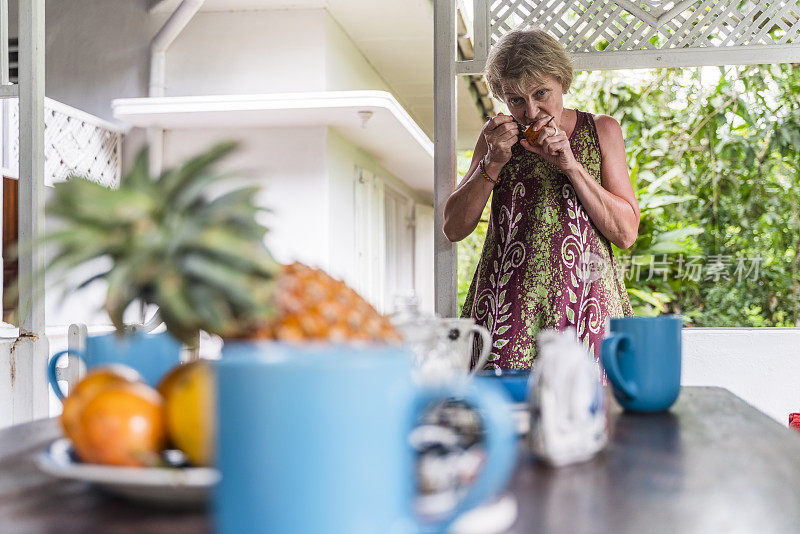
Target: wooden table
(711,465)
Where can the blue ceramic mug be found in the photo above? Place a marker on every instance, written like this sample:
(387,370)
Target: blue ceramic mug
(514,381)
(642,359)
(152,355)
(316,439)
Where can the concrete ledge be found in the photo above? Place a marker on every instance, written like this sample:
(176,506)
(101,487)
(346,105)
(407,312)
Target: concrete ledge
(760,365)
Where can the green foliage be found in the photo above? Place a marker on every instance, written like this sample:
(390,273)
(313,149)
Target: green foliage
(469,248)
(713,155)
(200,258)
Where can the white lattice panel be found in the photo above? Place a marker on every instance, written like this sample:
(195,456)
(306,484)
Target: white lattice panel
(11,140)
(630,33)
(76,143)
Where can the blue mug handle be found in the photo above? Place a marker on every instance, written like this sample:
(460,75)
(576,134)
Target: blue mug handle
(51,370)
(501,443)
(610,354)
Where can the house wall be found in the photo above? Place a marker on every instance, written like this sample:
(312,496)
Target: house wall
(96,51)
(343,158)
(346,68)
(241,52)
(290,165)
(761,365)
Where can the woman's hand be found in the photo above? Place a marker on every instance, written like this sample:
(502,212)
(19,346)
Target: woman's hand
(501,133)
(552,145)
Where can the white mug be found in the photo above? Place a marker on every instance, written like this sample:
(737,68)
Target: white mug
(455,335)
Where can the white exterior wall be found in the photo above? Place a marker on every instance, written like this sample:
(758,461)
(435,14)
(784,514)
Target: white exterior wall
(289,163)
(96,51)
(346,68)
(243,52)
(343,158)
(761,365)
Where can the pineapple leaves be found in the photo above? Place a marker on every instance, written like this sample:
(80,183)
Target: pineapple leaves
(175,180)
(238,286)
(214,312)
(223,244)
(200,257)
(139,175)
(120,293)
(175,309)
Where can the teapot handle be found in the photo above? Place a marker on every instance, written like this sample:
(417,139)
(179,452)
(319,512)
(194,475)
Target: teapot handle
(486,347)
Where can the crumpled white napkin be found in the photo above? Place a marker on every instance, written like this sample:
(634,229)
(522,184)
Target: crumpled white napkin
(568,415)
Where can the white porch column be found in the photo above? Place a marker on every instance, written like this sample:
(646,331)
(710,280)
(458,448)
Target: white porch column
(444,157)
(26,361)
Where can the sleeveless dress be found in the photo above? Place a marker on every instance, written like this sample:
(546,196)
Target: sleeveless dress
(544,264)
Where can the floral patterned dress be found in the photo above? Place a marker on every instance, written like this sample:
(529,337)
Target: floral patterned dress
(544,264)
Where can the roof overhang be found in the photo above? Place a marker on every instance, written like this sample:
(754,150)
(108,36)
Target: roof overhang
(396,38)
(389,133)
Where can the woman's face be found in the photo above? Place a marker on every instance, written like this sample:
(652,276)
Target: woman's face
(543,98)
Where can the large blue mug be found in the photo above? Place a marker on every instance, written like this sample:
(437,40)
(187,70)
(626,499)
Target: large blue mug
(642,359)
(152,355)
(316,440)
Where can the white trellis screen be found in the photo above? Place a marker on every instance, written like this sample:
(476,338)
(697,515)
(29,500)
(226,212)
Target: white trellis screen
(75,143)
(613,34)
(600,35)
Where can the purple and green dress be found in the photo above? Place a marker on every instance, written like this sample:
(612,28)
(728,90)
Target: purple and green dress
(544,264)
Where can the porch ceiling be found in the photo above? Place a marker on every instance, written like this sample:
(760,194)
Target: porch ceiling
(396,37)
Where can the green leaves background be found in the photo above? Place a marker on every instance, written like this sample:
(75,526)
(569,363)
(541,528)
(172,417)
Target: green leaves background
(713,156)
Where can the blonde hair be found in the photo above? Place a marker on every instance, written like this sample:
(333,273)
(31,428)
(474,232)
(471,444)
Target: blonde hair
(524,56)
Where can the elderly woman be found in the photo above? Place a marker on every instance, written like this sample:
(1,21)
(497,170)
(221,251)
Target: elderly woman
(557,205)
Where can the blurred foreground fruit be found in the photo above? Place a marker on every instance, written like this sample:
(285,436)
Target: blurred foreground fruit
(309,304)
(85,390)
(123,424)
(188,392)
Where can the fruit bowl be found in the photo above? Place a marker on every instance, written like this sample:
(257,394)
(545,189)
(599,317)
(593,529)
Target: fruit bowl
(171,486)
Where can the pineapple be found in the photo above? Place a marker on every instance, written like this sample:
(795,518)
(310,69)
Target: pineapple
(311,305)
(200,258)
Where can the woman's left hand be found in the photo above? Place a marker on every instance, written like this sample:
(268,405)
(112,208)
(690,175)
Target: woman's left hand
(553,146)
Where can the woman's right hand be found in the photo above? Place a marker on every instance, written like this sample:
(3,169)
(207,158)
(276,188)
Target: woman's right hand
(501,132)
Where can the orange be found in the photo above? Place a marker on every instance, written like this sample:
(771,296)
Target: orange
(94,382)
(168,380)
(531,134)
(123,425)
(189,408)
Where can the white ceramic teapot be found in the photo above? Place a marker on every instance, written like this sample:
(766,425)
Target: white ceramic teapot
(442,348)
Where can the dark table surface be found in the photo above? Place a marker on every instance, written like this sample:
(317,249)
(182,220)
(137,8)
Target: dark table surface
(713,464)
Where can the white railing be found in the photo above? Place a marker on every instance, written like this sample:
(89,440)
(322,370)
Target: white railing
(76,142)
